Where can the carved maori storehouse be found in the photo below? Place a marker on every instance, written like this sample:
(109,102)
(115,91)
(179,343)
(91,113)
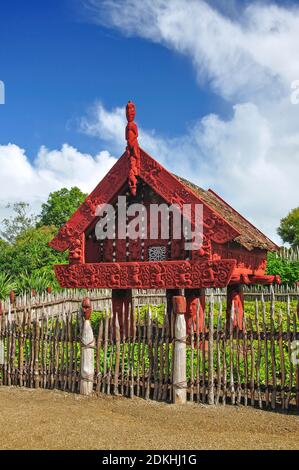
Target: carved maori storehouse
(233,252)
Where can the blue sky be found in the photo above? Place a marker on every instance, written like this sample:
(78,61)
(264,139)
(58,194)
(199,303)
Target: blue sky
(211,81)
(55,64)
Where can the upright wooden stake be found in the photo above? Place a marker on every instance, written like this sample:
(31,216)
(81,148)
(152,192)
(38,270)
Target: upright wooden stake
(211,353)
(179,365)
(87,351)
(2,350)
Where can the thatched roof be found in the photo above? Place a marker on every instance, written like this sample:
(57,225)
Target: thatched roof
(250,236)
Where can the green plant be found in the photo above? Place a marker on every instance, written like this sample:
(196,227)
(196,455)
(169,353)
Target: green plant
(38,282)
(287,269)
(7,284)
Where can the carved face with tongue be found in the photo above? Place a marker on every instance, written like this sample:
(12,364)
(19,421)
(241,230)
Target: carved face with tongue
(86,308)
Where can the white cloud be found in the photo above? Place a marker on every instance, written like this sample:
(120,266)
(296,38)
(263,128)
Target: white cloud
(249,58)
(23,180)
(238,56)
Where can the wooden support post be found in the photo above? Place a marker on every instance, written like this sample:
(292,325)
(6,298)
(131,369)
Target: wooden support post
(121,307)
(87,351)
(170,293)
(179,363)
(193,298)
(235,299)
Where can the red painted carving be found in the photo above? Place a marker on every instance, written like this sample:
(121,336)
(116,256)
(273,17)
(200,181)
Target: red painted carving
(86,308)
(196,301)
(204,251)
(245,278)
(157,275)
(174,192)
(122,310)
(76,254)
(104,264)
(160,180)
(235,307)
(149,275)
(133,151)
(179,304)
(107,189)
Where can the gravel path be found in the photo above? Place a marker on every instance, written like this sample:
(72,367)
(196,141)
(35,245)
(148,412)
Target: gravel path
(42,419)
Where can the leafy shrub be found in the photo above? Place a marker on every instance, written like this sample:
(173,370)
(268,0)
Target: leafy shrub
(287,269)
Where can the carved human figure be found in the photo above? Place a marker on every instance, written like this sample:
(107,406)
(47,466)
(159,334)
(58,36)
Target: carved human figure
(132,146)
(86,308)
(75,255)
(132,129)
(132,181)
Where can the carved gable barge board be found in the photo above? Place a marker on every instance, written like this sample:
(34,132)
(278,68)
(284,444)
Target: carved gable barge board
(105,191)
(147,275)
(175,192)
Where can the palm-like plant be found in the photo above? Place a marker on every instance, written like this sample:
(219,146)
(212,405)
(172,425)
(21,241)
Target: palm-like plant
(36,282)
(26,283)
(7,284)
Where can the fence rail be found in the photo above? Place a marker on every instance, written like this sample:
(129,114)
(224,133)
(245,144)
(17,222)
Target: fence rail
(41,346)
(102,297)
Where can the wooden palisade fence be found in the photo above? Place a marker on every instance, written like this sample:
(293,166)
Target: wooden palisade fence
(41,347)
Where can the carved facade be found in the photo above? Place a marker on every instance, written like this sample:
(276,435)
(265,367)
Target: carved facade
(152,262)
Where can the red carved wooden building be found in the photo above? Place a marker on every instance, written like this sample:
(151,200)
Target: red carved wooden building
(233,252)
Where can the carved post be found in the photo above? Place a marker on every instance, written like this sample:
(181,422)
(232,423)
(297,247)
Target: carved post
(170,293)
(193,298)
(179,364)
(235,299)
(121,306)
(87,350)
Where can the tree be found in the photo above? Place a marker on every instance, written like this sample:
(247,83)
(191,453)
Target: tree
(60,206)
(18,223)
(289,228)
(30,253)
